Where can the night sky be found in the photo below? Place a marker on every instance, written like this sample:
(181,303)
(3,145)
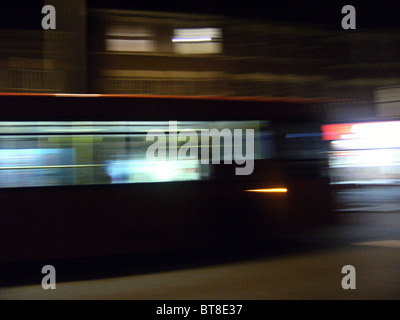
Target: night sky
(26,14)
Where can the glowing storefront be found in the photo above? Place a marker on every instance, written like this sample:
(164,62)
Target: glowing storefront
(364,153)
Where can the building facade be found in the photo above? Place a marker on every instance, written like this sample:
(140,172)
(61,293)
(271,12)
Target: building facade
(153,53)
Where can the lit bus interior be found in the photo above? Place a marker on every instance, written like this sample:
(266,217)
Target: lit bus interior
(49,153)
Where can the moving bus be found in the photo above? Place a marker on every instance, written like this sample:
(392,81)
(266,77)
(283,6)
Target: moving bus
(98,175)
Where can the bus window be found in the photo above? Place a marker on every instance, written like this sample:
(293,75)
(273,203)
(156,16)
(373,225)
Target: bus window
(48,153)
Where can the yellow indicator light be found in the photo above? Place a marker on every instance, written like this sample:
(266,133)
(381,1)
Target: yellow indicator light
(279,190)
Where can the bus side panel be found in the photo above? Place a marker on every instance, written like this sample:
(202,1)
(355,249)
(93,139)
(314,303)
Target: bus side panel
(50,223)
(306,204)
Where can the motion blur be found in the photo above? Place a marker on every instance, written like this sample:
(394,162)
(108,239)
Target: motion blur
(78,101)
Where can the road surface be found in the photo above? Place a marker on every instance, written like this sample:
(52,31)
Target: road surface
(306,267)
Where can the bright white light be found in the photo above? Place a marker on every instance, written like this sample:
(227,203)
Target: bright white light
(197,41)
(370,136)
(164,170)
(191,39)
(376,128)
(366,158)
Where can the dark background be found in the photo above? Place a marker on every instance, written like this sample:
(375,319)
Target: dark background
(26,14)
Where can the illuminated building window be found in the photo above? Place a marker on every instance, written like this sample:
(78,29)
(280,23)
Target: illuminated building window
(197,41)
(129,39)
(129,45)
